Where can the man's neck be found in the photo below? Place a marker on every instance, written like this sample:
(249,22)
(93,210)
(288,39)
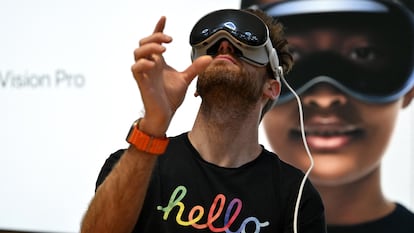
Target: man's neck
(224,140)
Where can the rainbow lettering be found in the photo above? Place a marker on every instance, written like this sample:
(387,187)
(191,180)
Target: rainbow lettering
(197,212)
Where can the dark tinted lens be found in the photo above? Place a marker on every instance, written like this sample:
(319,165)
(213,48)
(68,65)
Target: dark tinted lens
(381,81)
(243,26)
(380,66)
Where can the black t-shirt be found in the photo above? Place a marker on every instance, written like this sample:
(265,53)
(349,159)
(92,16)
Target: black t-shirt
(401,220)
(188,194)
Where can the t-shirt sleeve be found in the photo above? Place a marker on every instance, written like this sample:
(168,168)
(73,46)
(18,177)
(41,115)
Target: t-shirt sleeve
(108,166)
(311,215)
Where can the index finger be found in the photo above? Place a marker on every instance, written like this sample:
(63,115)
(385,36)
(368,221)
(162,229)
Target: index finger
(160,25)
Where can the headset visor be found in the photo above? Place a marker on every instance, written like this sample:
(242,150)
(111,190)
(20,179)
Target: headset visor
(392,28)
(244,30)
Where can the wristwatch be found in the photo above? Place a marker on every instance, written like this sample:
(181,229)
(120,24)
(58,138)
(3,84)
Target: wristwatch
(145,142)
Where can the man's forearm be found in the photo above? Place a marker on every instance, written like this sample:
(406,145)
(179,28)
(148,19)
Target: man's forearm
(119,199)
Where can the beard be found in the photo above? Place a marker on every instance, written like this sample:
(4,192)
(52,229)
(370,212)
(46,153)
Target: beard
(229,91)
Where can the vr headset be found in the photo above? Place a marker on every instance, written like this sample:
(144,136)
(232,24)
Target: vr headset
(372,85)
(244,30)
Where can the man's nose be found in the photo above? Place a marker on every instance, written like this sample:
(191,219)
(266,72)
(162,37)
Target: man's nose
(225,47)
(324,96)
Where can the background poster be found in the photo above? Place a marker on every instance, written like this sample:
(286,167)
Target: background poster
(68,99)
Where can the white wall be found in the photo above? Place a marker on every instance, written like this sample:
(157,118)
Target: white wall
(68,99)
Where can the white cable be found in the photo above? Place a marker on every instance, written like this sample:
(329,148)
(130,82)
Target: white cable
(302,129)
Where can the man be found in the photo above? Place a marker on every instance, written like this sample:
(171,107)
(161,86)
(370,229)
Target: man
(215,178)
(354,73)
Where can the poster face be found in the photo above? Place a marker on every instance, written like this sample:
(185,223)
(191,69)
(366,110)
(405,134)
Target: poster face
(68,99)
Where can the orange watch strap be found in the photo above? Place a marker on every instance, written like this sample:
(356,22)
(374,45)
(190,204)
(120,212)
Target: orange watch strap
(144,142)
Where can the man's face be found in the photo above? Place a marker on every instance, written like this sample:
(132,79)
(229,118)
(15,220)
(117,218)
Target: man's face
(230,82)
(347,138)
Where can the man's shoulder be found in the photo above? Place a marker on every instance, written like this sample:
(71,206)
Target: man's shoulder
(272,156)
(402,212)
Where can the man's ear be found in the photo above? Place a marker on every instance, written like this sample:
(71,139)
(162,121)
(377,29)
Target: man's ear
(272,89)
(408,98)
